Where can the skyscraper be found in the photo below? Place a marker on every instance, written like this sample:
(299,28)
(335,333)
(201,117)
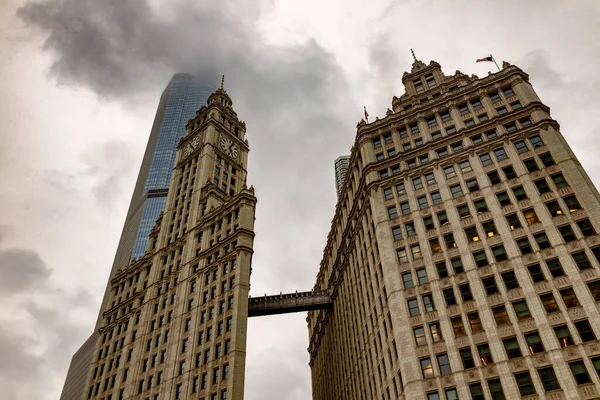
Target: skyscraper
(340,166)
(174,323)
(183,96)
(463,259)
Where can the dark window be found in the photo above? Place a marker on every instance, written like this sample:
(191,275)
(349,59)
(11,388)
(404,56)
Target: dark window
(516,105)
(485,354)
(503,198)
(525,383)
(501,315)
(509,172)
(489,284)
(582,260)
(536,140)
(542,240)
(495,97)
(428,222)
(379,156)
(501,110)
(465,292)
(555,267)
(585,330)
(457,265)
(521,309)
(510,280)
(511,345)
(542,186)
(476,105)
(466,355)
(534,342)
(387,139)
(595,289)
(494,177)
(524,245)
(472,185)
(531,165)
(463,211)
(431,122)
(554,208)
(512,127)
(537,275)
(403,133)
(377,143)
(508,92)
(475,322)
(547,159)
(445,116)
(476,139)
(579,372)
(476,391)
(491,134)
(413,307)
(499,253)
(586,228)
(483,118)
(456,147)
(572,203)
(444,364)
(569,297)
(456,191)
(436,198)
(496,389)
(485,159)
(480,206)
(463,109)
(480,258)
(567,233)
(521,146)
(414,128)
(519,193)
(525,122)
(450,129)
(423,202)
(392,212)
(405,207)
(472,234)
(548,379)
(397,233)
(449,296)
(407,280)
(458,326)
(563,335)
(384,173)
(513,221)
(450,242)
(559,180)
(442,269)
(549,302)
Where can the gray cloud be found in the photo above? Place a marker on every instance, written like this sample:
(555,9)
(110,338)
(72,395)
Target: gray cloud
(21,270)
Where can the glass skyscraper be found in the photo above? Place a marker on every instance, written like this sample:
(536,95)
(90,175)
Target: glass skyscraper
(183,96)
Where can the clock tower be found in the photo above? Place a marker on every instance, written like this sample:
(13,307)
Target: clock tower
(178,315)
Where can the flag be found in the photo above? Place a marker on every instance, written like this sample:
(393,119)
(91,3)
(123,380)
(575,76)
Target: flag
(489,58)
(366,114)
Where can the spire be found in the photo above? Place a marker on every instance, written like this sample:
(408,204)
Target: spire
(417,64)
(222,81)
(413,54)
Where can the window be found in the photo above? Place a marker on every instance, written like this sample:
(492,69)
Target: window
(530,216)
(422,276)
(400,189)
(521,310)
(392,212)
(485,159)
(417,182)
(524,245)
(567,233)
(480,206)
(559,180)
(579,372)
(494,177)
(456,147)
(428,222)
(547,159)
(563,335)
(501,110)
(428,302)
(525,122)
(377,143)
(420,338)
(472,234)
(513,221)
(445,116)
(449,171)
(431,122)
(426,367)
(500,153)
(416,251)
(410,229)
(542,186)
(414,128)
(463,109)
(500,315)
(442,270)
(467,358)
(397,233)
(423,202)
(531,165)
(511,345)
(402,256)
(405,207)
(490,228)
(495,97)
(379,156)
(519,193)
(429,178)
(489,284)
(509,172)
(537,275)
(436,332)
(457,265)
(433,396)
(496,389)
(407,280)
(403,133)
(475,322)
(476,139)
(444,364)
(512,127)
(525,383)
(586,333)
(456,191)
(554,208)
(451,129)
(442,218)
(521,146)
(449,297)
(491,134)
(465,166)
(436,198)
(542,240)
(548,379)
(413,307)
(395,169)
(510,280)
(463,211)
(555,268)
(476,391)
(485,354)
(549,303)
(483,118)
(534,342)
(572,203)
(435,245)
(387,139)
(458,326)
(586,228)
(469,122)
(581,260)
(595,289)
(472,185)
(480,258)
(450,242)
(383,173)
(503,198)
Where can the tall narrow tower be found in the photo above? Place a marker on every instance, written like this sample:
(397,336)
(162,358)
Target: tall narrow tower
(341,167)
(463,259)
(183,96)
(174,325)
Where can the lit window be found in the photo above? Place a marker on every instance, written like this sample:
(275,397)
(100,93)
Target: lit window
(534,342)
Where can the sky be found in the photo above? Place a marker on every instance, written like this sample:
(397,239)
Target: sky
(81,80)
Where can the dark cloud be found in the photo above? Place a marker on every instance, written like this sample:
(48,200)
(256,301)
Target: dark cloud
(21,270)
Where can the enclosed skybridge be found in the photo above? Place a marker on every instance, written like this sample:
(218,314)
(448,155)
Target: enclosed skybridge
(289,303)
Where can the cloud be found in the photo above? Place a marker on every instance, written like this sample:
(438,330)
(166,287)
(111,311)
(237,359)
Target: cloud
(22,271)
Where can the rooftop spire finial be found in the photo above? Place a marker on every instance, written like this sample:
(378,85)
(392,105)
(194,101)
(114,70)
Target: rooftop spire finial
(413,54)
(222,81)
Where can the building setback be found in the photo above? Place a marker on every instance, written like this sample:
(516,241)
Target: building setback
(182,97)
(463,256)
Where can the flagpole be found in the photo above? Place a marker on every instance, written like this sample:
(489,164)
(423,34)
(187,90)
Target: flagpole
(494,60)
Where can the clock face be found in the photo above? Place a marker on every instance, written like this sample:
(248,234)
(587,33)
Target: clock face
(191,146)
(229,147)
